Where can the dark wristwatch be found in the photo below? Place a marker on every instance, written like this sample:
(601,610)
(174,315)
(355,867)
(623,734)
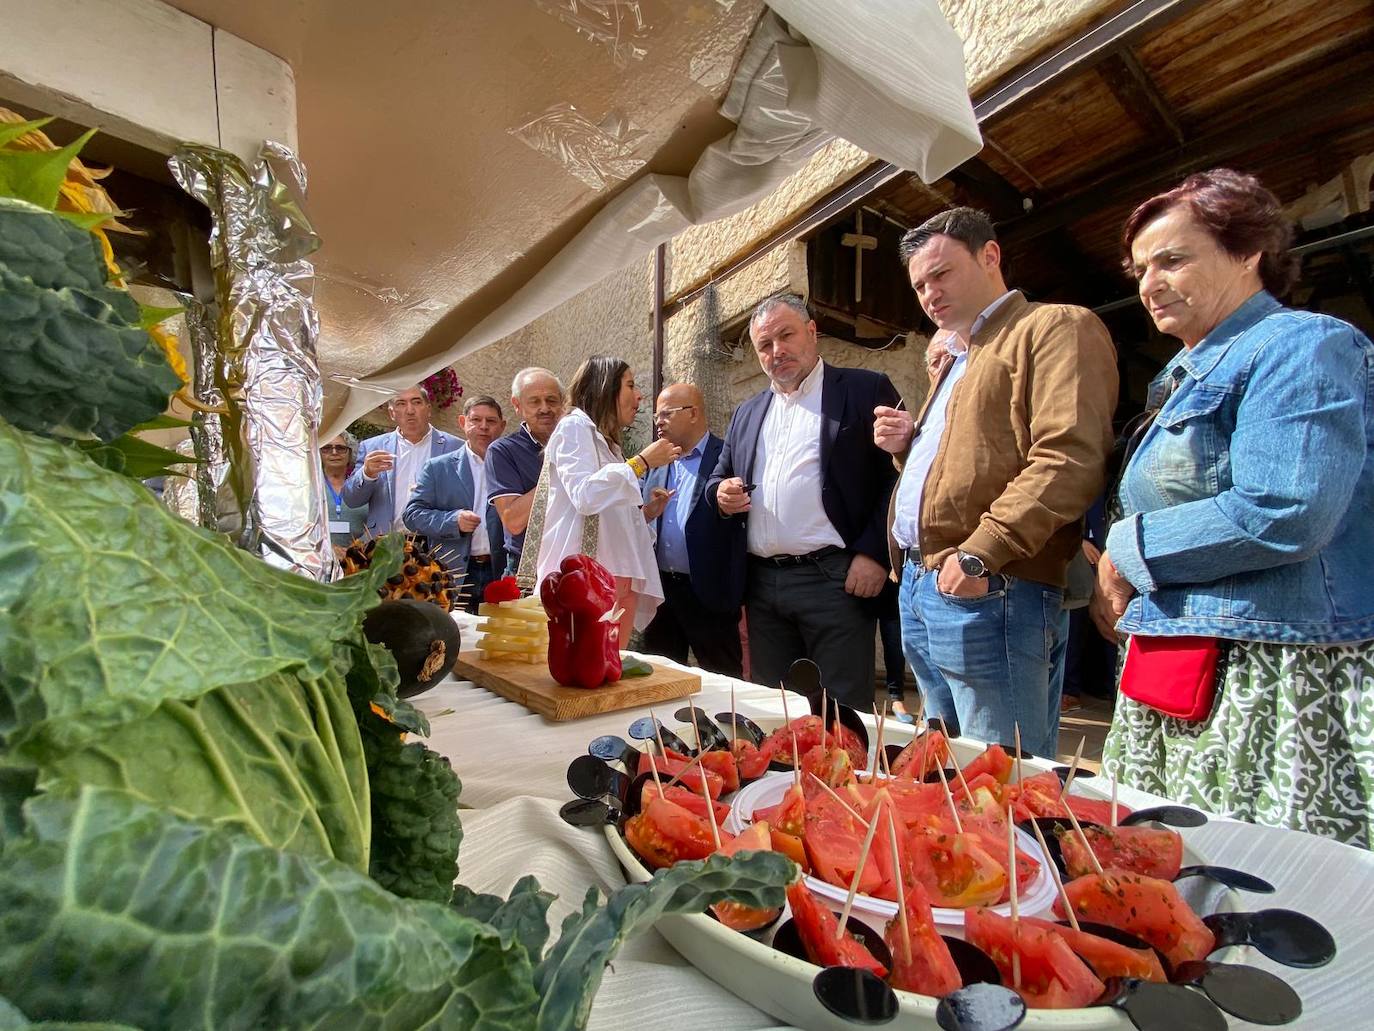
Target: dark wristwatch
(972,565)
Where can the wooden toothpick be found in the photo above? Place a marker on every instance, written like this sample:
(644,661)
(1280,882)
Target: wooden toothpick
(901,888)
(710,813)
(858,872)
(949,797)
(1015,904)
(1087,845)
(1016,731)
(1054,872)
(658,736)
(1073,768)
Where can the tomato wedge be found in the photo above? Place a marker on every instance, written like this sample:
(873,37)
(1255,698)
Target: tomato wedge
(1051,976)
(832,766)
(722,764)
(931,745)
(689,800)
(1106,957)
(1095,810)
(817,927)
(955,869)
(1146,907)
(751,763)
(994,761)
(1148,851)
(990,827)
(788,815)
(833,840)
(777,746)
(929,968)
(791,846)
(736,915)
(663,833)
(671,764)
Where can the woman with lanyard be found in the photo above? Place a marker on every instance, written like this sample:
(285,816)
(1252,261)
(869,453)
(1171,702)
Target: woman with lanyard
(336,457)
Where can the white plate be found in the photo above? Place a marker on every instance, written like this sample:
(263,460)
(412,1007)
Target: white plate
(781,985)
(769,789)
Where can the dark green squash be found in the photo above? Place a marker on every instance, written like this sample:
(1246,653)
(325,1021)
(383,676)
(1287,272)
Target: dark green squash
(422,638)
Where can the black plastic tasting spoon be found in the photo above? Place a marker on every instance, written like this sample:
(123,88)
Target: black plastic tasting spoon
(711,737)
(1293,939)
(858,996)
(1239,880)
(1162,1007)
(642,729)
(590,777)
(740,726)
(1170,815)
(614,749)
(1246,992)
(981,1007)
(804,677)
(588,812)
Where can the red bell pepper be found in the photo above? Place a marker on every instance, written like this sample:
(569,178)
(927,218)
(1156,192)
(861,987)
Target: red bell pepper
(584,645)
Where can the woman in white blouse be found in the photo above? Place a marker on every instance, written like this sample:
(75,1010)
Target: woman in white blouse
(589,475)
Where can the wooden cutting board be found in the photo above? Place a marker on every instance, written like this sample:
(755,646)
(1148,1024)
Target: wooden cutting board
(532,687)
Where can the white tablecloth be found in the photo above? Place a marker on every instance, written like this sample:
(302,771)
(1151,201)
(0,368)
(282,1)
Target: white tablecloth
(513,766)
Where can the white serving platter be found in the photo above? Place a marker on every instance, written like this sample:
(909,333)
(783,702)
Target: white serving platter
(781,985)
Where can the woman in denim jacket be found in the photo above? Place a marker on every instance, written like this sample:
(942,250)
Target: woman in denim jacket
(1248,516)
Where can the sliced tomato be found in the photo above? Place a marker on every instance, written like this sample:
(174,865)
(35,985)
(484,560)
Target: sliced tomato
(688,799)
(777,746)
(930,746)
(955,869)
(722,764)
(990,826)
(662,833)
(913,801)
(921,961)
(788,815)
(832,766)
(1094,810)
(791,846)
(1149,851)
(750,762)
(1050,975)
(834,840)
(736,915)
(1106,957)
(1146,907)
(849,741)
(671,764)
(1036,796)
(994,761)
(818,927)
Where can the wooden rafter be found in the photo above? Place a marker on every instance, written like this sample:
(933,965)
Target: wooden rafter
(1132,86)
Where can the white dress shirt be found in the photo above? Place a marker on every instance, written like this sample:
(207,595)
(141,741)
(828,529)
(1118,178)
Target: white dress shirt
(906,517)
(587,478)
(410,459)
(477,469)
(786,516)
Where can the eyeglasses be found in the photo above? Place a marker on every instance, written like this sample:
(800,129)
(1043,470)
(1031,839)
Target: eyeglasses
(333,447)
(666,413)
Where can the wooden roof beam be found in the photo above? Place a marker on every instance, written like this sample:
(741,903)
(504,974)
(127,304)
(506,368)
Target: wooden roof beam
(1156,167)
(1132,86)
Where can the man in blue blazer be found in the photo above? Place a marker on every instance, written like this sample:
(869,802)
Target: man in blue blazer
(700,555)
(449,504)
(800,469)
(390,463)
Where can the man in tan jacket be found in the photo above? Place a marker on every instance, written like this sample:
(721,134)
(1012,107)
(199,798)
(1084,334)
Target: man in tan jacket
(998,468)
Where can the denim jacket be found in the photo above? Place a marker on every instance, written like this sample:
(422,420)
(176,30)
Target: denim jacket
(1249,505)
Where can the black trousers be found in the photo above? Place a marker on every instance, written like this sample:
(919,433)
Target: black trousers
(683,622)
(803,611)
(479,574)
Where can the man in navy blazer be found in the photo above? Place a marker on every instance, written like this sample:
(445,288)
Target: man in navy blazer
(700,555)
(800,469)
(390,463)
(449,505)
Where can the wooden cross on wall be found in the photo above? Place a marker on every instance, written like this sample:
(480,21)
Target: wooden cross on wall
(860,243)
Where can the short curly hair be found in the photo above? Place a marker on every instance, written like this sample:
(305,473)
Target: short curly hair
(1237,212)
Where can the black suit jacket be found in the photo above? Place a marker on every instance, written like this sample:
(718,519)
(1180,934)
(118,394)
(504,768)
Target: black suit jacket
(858,475)
(715,546)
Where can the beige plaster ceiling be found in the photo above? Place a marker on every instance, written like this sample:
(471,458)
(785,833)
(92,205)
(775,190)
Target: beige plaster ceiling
(432,211)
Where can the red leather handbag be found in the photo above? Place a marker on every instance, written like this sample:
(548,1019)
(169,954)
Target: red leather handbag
(1178,676)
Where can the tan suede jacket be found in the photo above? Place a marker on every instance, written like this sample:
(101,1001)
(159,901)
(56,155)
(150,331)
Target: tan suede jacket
(1027,436)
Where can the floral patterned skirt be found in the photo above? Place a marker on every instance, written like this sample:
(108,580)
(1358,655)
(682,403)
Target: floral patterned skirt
(1289,742)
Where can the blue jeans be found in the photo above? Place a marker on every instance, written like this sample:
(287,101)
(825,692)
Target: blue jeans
(985,665)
